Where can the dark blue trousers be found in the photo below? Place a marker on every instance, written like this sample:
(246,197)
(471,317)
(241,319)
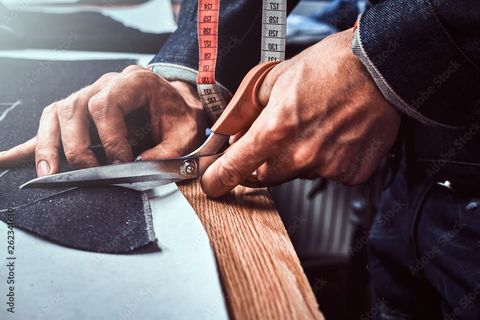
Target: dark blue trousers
(424,251)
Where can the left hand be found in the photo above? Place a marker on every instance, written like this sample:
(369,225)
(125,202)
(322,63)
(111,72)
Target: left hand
(324,117)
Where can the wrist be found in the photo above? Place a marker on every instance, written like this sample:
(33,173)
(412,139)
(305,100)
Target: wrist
(189,93)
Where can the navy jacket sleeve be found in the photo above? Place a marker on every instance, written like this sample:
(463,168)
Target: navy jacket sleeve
(239,40)
(424,56)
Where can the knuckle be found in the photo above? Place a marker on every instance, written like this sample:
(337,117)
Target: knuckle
(97,108)
(115,149)
(134,77)
(74,157)
(66,108)
(71,154)
(131,68)
(44,151)
(141,77)
(265,177)
(49,109)
(104,79)
(304,157)
(277,132)
(228,175)
(107,76)
(111,143)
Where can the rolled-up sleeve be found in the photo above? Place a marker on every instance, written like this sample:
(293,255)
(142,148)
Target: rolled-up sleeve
(423,55)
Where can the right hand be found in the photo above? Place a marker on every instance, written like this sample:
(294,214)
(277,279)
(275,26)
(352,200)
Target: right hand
(176,114)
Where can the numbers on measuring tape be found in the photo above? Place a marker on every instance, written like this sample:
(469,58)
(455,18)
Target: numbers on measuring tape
(208,13)
(212,99)
(274,17)
(209,92)
(273,20)
(274,6)
(273,33)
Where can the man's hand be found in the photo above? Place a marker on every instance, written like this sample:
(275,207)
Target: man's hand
(324,116)
(176,115)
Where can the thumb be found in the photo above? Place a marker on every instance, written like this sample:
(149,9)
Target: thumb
(249,151)
(237,164)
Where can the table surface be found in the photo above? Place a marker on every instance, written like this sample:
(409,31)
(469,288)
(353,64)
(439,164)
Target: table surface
(260,271)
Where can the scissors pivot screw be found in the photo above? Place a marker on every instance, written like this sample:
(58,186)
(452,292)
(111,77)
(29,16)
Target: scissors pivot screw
(188,168)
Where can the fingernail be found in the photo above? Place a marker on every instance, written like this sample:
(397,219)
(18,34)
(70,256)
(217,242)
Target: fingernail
(116,161)
(138,159)
(43,168)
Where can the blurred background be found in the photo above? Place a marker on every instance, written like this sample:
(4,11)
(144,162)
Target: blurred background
(328,223)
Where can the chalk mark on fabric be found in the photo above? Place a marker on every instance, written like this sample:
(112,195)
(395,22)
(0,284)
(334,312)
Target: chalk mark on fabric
(4,173)
(147,211)
(38,200)
(4,114)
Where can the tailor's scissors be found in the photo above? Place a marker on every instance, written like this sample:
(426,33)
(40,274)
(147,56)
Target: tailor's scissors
(240,113)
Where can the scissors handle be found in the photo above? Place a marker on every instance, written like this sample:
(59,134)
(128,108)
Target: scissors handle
(244,107)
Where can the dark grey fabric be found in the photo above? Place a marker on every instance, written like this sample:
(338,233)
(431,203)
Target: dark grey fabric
(112,220)
(91,31)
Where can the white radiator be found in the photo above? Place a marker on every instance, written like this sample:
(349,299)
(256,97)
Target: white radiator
(319,227)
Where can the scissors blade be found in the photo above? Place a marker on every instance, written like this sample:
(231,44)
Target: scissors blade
(141,176)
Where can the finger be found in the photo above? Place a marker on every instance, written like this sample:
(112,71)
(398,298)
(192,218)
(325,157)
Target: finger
(72,114)
(48,141)
(269,81)
(237,136)
(291,162)
(239,161)
(271,176)
(109,107)
(176,142)
(164,150)
(73,118)
(253,182)
(14,156)
(112,130)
